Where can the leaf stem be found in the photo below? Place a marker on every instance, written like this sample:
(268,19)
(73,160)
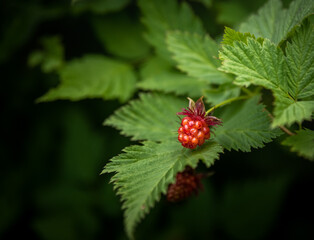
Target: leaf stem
(226,102)
(247,91)
(283,128)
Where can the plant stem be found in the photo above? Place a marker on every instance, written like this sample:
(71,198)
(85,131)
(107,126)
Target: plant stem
(225,102)
(283,128)
(247,91)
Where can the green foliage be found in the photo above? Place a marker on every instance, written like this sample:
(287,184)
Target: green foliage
(197,56)
(93,76)
(172,82)
(300,62)
(245,125)
(273,50)
(274,22)
(23,21)
(253,62)
(98,6)
(51,58)
(154,66)
(152,117)
(161,16)
(231,36)
(230,13)
(207,3)
(142,173)
(221,93)
(263,63)
(121,36)
(302,143)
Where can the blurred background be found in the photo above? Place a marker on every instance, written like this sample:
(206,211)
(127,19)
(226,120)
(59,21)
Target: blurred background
(52,153)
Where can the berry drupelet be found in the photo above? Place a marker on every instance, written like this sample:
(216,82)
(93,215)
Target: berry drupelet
(195,127)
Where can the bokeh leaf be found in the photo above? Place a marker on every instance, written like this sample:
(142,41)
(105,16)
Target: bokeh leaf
(51,57)
(93,76)
(161,16)
(274,22)
(121,35)
(98,6)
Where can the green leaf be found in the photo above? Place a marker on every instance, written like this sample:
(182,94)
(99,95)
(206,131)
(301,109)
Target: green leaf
(302,143)
(300,62)
(161,16)
(230,13)
(253,62)
(288,111)
(93,76)
(153,66)
(98,6)
(197,56)
(274,22)
(51,57)
(206,3)
(262,63)
(143,173)
(231,36)
(172,82)
(245,125)
(152,117)
(221,93)
(121,35)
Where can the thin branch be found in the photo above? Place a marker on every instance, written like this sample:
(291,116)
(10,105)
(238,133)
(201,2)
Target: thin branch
(226,102)
(283,128)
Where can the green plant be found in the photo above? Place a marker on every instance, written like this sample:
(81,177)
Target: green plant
(272,52)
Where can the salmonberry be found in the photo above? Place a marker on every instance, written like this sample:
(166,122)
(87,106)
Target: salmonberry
(195,127)
(187,183)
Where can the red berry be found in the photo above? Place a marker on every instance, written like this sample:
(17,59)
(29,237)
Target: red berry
(189,135)
(187,183)
(195,126)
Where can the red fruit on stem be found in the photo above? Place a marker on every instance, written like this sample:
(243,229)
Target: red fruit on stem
(195,125)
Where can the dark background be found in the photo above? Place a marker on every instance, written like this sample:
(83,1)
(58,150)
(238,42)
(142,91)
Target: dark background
(52,153)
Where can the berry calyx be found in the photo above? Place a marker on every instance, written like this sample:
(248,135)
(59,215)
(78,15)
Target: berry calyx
(195,127)
(187,183)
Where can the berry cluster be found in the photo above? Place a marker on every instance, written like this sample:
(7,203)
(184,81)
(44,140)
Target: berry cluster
(186,183)
(193,132)
(194,129)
